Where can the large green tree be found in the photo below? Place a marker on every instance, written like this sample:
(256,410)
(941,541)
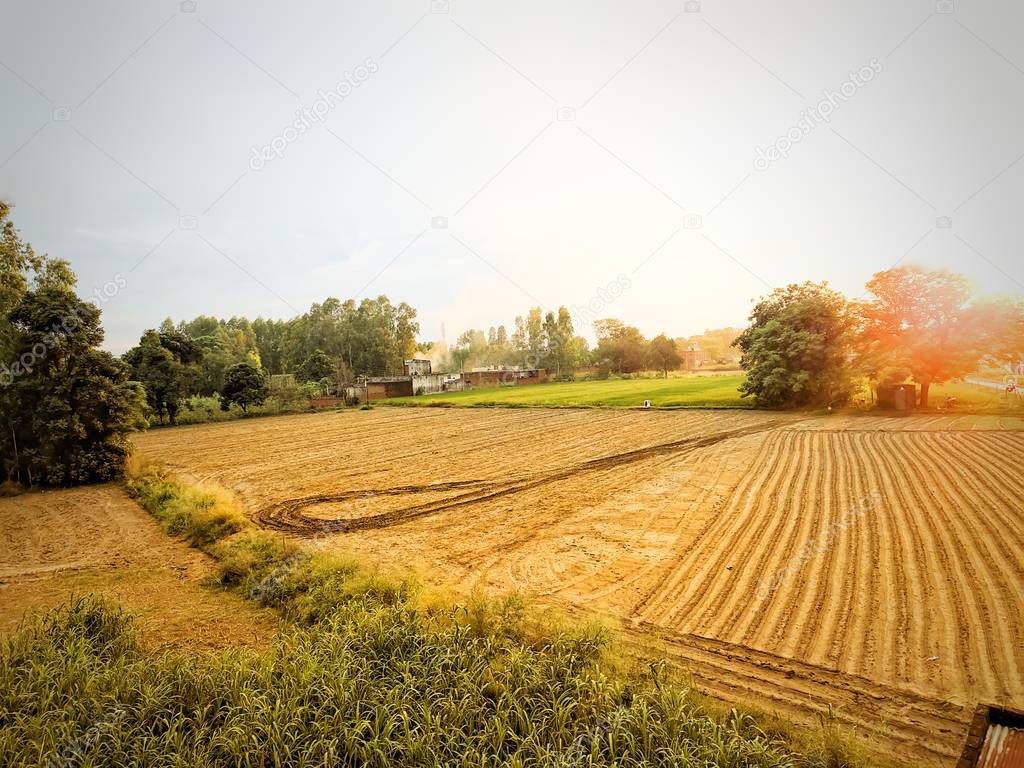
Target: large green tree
(798,348)
(620,347)
(166,362)
(71,406)
(315,367)
(665,354)
(244,386)
(66,408)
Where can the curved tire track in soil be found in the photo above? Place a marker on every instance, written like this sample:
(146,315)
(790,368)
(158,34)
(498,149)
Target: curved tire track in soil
(289,515)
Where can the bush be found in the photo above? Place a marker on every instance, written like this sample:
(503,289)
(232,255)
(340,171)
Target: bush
(201,514)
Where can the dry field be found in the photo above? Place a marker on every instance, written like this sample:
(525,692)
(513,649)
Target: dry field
(61,543)
(871,564)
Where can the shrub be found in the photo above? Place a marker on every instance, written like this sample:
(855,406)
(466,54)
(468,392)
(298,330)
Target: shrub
(202,514)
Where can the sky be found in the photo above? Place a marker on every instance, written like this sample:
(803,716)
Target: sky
(661,161)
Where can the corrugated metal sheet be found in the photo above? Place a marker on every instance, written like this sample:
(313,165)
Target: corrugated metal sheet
(1003,748)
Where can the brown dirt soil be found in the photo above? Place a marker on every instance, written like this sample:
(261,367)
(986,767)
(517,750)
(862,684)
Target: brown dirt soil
(872,563)
(57,543)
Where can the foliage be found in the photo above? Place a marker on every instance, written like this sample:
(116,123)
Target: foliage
(664,354)
(925,324)
(540,340)
(202,514)
(620,347)
(373,682)
(244,386)
(66,406)
(335,340)
(315,367)
(167,364)
(797,349)
(369,671)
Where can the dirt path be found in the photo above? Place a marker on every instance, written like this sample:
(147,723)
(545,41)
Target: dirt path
(57,543)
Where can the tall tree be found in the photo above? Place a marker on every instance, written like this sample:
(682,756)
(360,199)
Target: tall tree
(167,364)
(71,406)
(316,367)
(798,346)
(560,342)
(620,347)
(66,408)
(923,322)
(665,354)
(244,386)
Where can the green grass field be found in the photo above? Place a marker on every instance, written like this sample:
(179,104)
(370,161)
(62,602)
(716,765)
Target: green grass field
(719,391)
(674,392)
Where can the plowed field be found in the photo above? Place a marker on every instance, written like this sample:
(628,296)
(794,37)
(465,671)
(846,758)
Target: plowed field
(874,564)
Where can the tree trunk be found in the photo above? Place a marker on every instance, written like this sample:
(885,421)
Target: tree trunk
(17,458)
(924,393)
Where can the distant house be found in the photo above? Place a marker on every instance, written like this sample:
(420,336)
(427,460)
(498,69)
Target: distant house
(694,357)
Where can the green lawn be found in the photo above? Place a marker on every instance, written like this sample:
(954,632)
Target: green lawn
(675,392)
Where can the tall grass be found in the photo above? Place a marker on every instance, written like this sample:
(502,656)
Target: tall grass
(201,513)
(373,682)
(368,671)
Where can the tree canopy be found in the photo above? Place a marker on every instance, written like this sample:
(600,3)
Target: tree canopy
(244,386)
(67,406)
(167,363)
(928,326)
(796,350)
(664,354)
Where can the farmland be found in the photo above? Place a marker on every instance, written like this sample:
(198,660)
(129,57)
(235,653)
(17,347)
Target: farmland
(716,391)
(96,540)
(865,562)
(687,391)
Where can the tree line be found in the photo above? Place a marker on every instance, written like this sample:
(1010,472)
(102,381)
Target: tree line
(809,345)
(548,340)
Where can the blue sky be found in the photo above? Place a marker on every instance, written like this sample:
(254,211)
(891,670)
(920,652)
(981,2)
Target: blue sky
(493,156)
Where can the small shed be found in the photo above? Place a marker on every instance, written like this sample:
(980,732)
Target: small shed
(899,397)
(995,740)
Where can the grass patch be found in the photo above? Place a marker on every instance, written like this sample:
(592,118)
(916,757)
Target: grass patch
(375,683)
(203,514)
(369,670)
(673,392)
